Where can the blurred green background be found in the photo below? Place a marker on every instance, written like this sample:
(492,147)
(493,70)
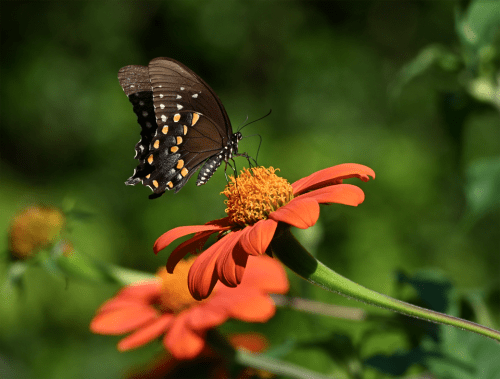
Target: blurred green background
(410,89)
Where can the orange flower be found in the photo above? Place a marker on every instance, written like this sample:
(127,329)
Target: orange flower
(164,306)
(256,201)
(208,364)
(35,228)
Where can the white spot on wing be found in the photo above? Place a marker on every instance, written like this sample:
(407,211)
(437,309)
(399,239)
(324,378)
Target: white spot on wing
(195,95)
(182,88)
(161,96)
(162,106)
(179,107)
(163,118)
(178,97)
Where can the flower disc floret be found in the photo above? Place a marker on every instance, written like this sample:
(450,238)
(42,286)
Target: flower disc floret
(175,295)
(254,194)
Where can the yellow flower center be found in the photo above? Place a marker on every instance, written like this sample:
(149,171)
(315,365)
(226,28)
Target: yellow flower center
(175,295)
(254,194)
(33,229)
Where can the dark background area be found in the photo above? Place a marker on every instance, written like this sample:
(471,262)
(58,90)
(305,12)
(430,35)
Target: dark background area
(346,82)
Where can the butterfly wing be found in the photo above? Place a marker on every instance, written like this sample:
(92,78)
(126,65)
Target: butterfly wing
(190,123)
(137,86)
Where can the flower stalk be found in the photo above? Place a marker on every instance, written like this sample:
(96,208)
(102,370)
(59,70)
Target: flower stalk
(297,258)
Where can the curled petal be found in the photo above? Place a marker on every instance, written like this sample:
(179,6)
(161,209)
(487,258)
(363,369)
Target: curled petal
(256,238)
(347,194)
(231,266)
(240,257)
(332,175)
(225,265)
(202,274)
(182,341)
(300,212)
(170,236)
(147,333)
(224,222)
(122,320)
(189,246)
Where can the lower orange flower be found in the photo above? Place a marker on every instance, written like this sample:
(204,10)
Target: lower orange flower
(256,202)
(164,307)
(209,364)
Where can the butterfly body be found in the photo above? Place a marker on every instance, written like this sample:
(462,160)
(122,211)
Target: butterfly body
(184,125)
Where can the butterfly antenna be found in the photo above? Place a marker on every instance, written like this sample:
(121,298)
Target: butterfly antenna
(251,122)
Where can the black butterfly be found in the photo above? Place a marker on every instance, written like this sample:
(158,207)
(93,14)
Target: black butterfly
(184,125)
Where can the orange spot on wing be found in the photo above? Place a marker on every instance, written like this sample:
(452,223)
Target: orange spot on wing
(196,117)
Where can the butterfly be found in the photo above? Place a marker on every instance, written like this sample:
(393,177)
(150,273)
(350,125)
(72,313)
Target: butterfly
(184,126)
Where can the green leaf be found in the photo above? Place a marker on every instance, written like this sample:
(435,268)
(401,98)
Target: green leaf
(428,57)
(455,353)
(482,190)
(479,25)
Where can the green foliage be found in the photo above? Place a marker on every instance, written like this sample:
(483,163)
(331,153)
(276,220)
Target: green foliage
(483,186)
(446,352)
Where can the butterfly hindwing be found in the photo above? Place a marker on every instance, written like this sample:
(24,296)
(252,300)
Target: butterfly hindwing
(135,82)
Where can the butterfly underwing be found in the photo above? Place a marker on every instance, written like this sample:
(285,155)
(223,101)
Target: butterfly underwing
(184,125)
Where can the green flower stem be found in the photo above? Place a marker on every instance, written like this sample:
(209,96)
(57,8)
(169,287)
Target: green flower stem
(276,366)
(298,259)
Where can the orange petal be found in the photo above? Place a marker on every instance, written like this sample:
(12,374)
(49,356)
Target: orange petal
(255,307)
(206,316)
(256,238)
(122,320)
(222,222)
(202,274)
(225,265)
(189,246)
(141,291)
(231,264)
(240,257)
(332,175)
(147,333)
(266,274)
(170,236)
(117,303)
(347,194)
(301,213)
(182,341)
